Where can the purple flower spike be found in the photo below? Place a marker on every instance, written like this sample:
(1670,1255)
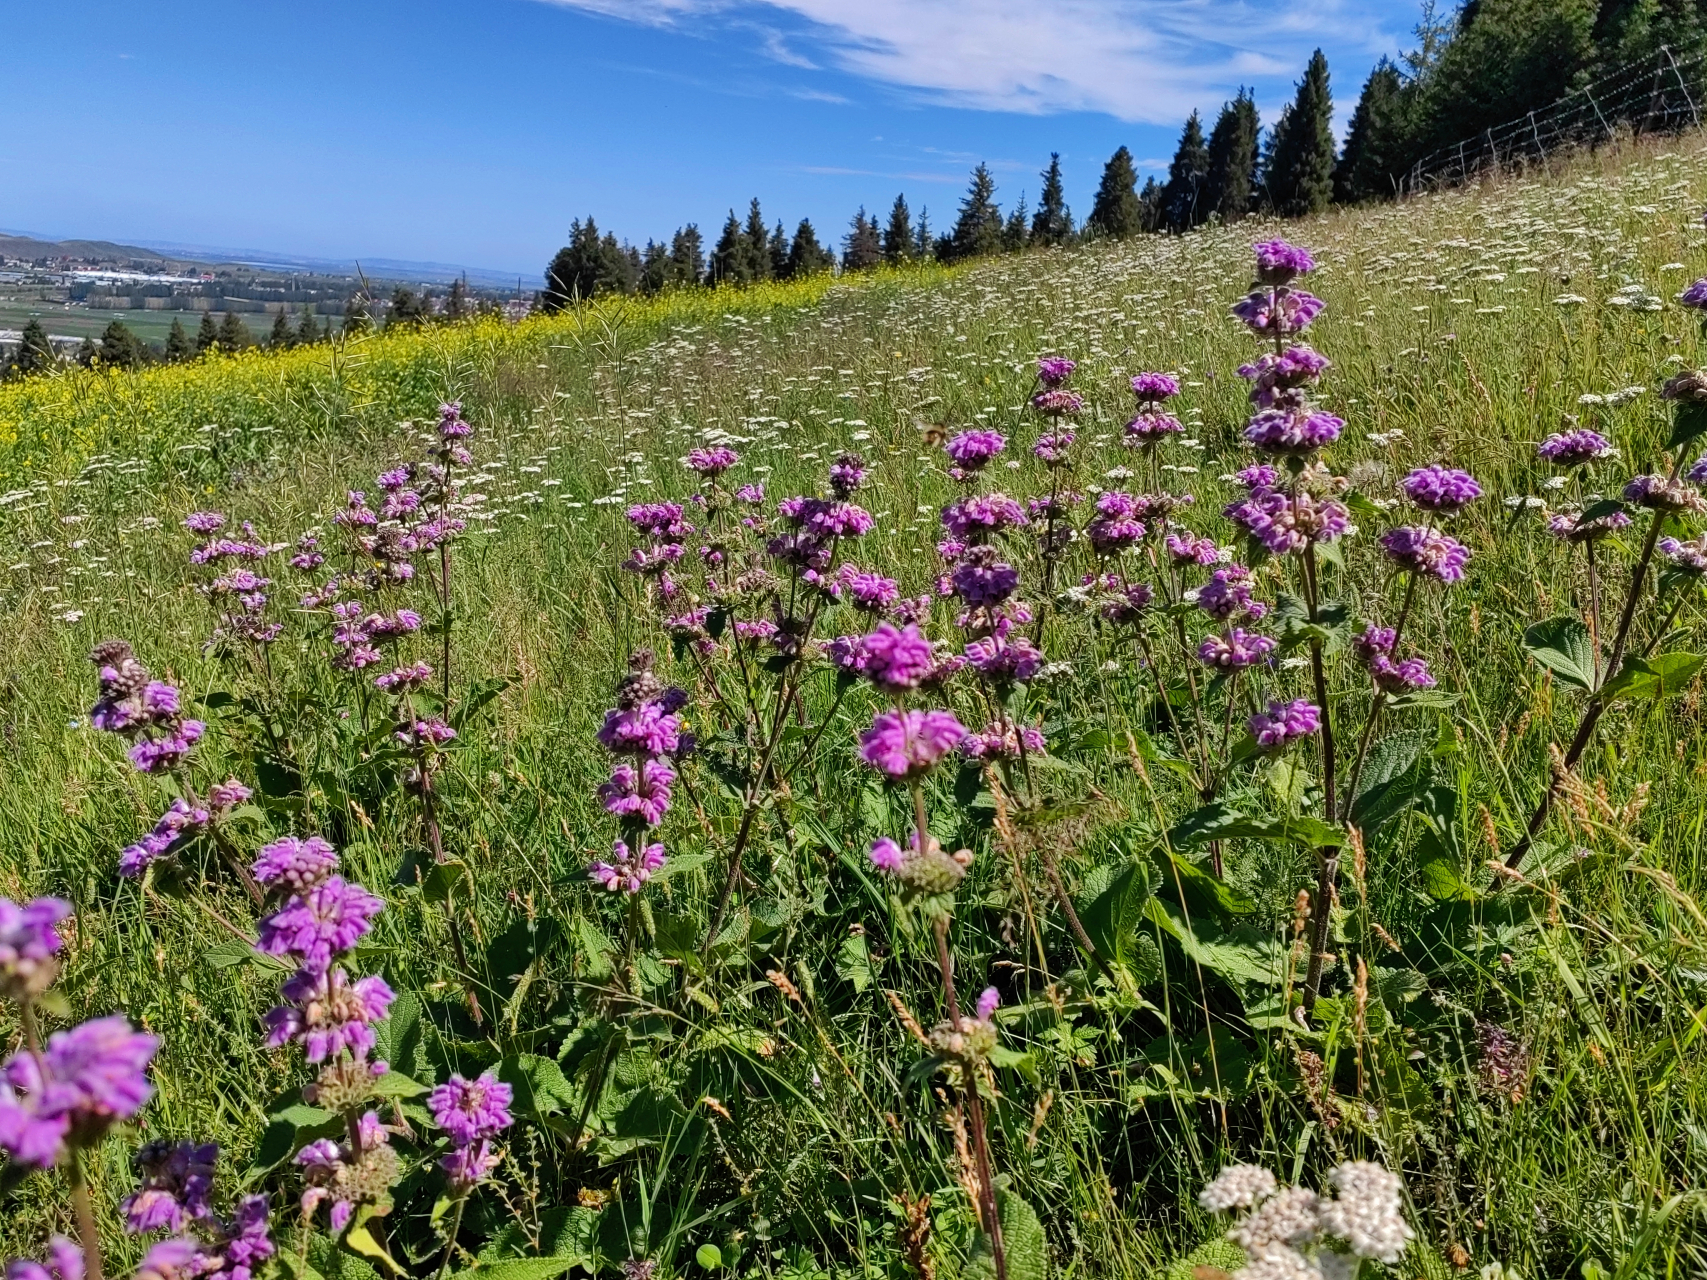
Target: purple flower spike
(1573,448)
(1400,677)
(1051,450)
(1235,651)
(1058,402)
(29,939)
(906,744)
(642,792)
(627,871)
(329,1014)
(65,1262)
(471,1110)
(1052,371)
(1426,551)
(973,450)
(896,659)
(292,865)
(319,923)
(177,1178)
(1152,388)
(1150,427)
(1438,488)
(1293,432)
(712,462)
(84,1080)
(1284,722)
(1279,262)
(1281,311)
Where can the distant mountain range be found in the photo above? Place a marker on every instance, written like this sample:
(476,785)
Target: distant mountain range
(23,244)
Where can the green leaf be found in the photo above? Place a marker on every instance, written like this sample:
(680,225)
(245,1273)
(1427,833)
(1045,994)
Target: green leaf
(517,1269)
(1562,645)
(330,1262)
(1330,628)
(1395,774)
(1238,953)
(1688,420)
(1112,907)
(235,951)
(1025,1248)
(595,948)
(853,962)
(680,865)
(1200,892)
(708,1256)
(1200,826)
(444,880)
(394,1084)
(358,1237)
(539,1084)
(1439,871)
(1423,700)
(1664,676)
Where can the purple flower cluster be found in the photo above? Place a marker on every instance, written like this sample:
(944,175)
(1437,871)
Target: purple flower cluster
(908,744)
(972,451)
(1374,649)
(982,580)
(73,1091)
(29,940)
(1695,296)
(1426,551)
(347,1173)
(629,869)
(1569,526)
(896,660)
(1289,522)
(1116,527)
(1053,371)
(642,791)
(1003,741)
(147,711)
(1235,650)
(1440,489)
(65,1262)
(1278,379)
(1295,431)
(471,1113)
(979,516)
(1227,595)
(1668,497)
(1004,656)
(1280,263)
(644,731)
(1280,311)
(176,1181)
(1688,557)
(1284,722)
(1153,388)
(1149,427)
(1575,447)
(713,461)
(847,474)
(1052,448)
(180,821)
(1187,548)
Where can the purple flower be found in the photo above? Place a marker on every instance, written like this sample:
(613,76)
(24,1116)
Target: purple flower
(451,423)
(1281,311)
(431,732)
(661,521)
(712,462)
(1438,488)
(1051,449)
(983,581)
(838,519)
(973,450)
(84,1079)
(174,1259)
(1669,497)
(162,755)
(752,494)
(627,871)
(988,999)
(1426,551)
(1690,557)
(1052,371)
(1286,523)
(886,855)
(467,1167)
(906,744)
(204,521)
(847,473)
(1003,742)
(981,514)
(1695,296)
(1697,473)
(1292,431)
(227,795)
(295,864)
(404,679)
(1374,642)
(1284,722)
(642,792)
(318,923)
(1277,380)
(896,659)
(1279,262)
(1001,659)
(1227,594)
(29,939)
(1124,604)
(1235,651)
(1258,476)
(1153,388)
(1058,402)
(245,1242)
(178,821)
(328,1013)
(177,1178)
(1571,527)
(1150,427)
(1575,447)
(1187,548)
(643,730)
(1400,677)
(471,1110)
(868,591)
(65,1262)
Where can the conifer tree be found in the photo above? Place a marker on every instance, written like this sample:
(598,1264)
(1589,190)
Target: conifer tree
(207,333)
(1150,206)
(307,328)
(35,352)
(806,257)
(1116,213)
(729,258)
(1053,222)
(282,335)
(457,306)
(779,252)
(757,244)
(357,316)
(178,346)
(588,265)
(1374,154)
(978,230)
(862,247)
(654,268)
(898,235)
(120,348)
(923,246)
(1232,160)
(233,333)
(407,309)
(87,352)
(1016,232)
(1180,203)
(1300,165)
(687,256)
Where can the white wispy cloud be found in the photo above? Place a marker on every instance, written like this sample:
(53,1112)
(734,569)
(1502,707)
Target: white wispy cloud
(1139,60)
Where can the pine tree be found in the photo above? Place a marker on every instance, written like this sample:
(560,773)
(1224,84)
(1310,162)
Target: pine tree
(1180,204)
(178,346)
(1052,223)
(1300,166)
(1232,160)
(1373,158)
(233,333)
(806,257)
(87,352)
(407,309)
(654,268)
(862,247)
(357,316)
(207,333)
(457,306)
(978,229)
(898,235)
(757,244)
(779,252)
(923,246)
(307,328)
(588,265)
(1016,232)
(1116,213)
(120,348)
(35,352)
(687,256)
(282,335)
(729,258)
(1150,206)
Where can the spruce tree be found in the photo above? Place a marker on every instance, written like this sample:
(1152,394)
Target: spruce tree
(207,333)
(1180,194)
(233,333)
(687,256)
(1232,160)
(806,257)
(1116,213)
(898,235)
(1052,223)
(862,247)
(729,258)
(407,310)
(457,306)
(35,352)
(978,229)
(654,268)
(282,335)
(757,244)
(1150,206)
(178,345)
(779,252)
(588,265)
(1300,166)
(307,328)
(120,348)
(87,352)
(1373,159)
(1016,232)
(923,246)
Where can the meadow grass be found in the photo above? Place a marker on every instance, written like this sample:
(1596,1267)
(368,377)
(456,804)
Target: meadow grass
(1464,327)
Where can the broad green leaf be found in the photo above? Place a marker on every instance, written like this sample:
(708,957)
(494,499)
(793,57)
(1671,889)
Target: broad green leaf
(1304,831)
(538,1083)
(1689,420)
(1238,953)
(445,880)
(518,1269)
(1663,676)
(680,865)
(1395,775)
(853,962)
(329,1262)
(225,955)
(1197,890)
(1331,627)
(1025,1248)
(359,1237)
(1562,645)
(1112,907)
(595,948)
(1423,700)
(394,1084)
(1203,825)
(1439,871)
(708,1256)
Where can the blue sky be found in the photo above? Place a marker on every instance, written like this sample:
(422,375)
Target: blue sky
(472,131)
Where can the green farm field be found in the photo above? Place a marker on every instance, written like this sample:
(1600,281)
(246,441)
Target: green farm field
(724,1071)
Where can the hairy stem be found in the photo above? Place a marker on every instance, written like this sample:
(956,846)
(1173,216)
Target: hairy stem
(81,1206)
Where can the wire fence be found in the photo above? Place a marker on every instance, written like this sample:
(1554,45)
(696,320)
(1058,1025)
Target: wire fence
(1660,93)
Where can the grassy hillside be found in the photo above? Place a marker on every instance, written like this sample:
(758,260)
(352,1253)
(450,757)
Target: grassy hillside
(1529,1061)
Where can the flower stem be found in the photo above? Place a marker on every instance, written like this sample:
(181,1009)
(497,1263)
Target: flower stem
(84,1210)
(450,1239)
(1328,872)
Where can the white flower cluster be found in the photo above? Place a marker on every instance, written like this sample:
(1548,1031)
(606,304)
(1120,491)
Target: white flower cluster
(1292,1233)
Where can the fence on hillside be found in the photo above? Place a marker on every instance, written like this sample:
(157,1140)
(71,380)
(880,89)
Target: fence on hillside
(1661,93)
